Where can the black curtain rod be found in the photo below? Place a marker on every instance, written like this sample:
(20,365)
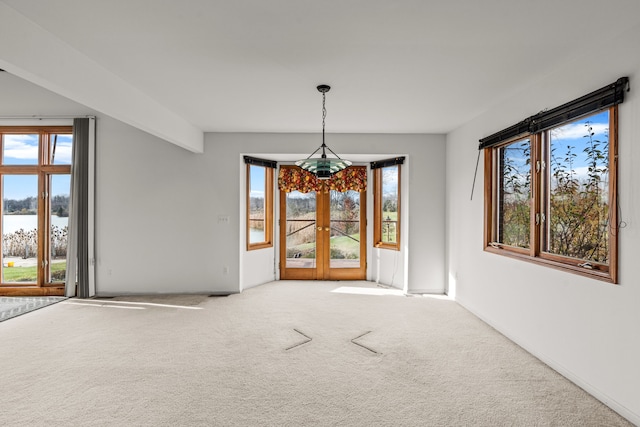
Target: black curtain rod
(260,162)
(388,162)
(600,99)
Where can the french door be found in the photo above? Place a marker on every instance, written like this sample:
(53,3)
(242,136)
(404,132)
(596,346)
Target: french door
(323,235)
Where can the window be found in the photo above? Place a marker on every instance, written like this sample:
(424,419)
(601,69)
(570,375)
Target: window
(513,194)
(550,195)
(386,203)
(259,203)
(35,186)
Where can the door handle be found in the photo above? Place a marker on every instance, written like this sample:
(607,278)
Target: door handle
(319,228)
(327,229)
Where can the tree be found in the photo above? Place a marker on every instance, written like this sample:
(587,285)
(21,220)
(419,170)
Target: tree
(578,206)
(515,194)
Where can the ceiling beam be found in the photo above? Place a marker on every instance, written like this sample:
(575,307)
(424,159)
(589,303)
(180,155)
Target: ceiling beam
(33,54)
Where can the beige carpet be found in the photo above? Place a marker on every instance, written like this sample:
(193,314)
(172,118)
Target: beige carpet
(356,357)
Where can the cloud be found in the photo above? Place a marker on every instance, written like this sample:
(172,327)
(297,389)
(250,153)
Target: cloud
(582,174)
(63,153)
(579,130)
(390,181)
(23,147)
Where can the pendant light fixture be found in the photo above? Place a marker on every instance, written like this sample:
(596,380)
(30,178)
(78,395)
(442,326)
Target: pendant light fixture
(323,167)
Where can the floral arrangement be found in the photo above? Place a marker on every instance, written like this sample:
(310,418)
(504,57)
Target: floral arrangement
(298,179)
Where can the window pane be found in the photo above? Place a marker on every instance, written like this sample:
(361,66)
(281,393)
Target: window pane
(344,213)
(19,228)
(514,194)
(389,204)
(59,220)
(60,149)
(20,149)
(578,199)
(257,191)
(301,230)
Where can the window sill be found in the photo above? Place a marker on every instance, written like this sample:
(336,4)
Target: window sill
(601,275)
(386,246)
(255,246)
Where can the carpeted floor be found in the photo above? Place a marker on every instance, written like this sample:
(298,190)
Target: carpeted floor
(282,354)
(15,306)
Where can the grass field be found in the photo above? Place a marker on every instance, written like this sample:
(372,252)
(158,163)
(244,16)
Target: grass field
(29,274)
(345,244)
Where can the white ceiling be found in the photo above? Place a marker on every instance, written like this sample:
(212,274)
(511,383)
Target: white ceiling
(401,66)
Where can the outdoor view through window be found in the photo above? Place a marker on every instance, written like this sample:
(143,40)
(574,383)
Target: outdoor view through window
(574,190)
(389,232)
(35,205)
(259,207)
(256,204)
(578,201)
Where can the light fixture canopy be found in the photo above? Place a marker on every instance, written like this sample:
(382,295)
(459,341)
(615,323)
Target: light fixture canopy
(323,167)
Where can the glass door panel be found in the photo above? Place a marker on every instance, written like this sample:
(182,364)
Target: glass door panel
(300,230)
(20,229)
(59,224)
(344,241)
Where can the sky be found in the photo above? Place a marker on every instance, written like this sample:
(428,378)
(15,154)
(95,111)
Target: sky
(257,181)
(571,135)
(23,150)
(390,180)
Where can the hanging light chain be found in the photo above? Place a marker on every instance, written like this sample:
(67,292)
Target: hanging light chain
(324,116)
(324,109)
(322,166)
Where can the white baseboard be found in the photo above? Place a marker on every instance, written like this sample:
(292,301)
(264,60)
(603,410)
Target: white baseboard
(427,291)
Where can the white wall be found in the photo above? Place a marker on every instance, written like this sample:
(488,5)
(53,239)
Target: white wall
(160,224)
(584,328)
(157,217)
(423,194)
